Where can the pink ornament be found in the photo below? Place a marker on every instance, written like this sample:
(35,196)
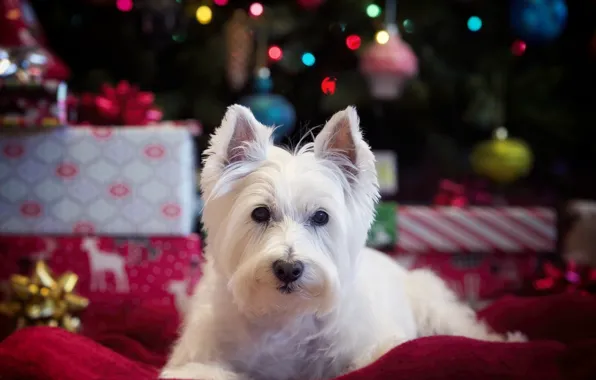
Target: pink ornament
(389,66)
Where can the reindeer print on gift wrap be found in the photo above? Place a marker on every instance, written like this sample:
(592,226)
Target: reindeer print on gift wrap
(47,252)
(101,263)
(180,289)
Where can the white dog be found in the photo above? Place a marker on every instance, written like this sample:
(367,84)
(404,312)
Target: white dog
(289,291)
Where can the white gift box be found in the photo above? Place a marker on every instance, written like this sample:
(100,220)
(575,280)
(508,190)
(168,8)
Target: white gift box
(108,180)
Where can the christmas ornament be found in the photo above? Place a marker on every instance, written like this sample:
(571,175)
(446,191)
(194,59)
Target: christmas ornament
(538,21)
(24,65)
(389,63)
(568,278)
(20,31)
(239,47)
(118,106)
(502,159)
(270,109)
(43,300)
(328,85)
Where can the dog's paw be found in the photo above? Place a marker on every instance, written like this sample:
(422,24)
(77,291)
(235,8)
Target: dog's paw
(197,371)
(516,336)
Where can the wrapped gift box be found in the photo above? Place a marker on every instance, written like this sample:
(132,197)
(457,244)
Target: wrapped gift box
(476,277)
(127,181)
(160,269)
(512,230)
(383,232)
(33,105)
(386,165)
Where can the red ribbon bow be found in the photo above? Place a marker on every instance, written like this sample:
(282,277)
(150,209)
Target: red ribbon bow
(570,279)
(123,105)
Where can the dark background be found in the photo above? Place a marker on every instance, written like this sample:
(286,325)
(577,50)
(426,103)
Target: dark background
(547,94)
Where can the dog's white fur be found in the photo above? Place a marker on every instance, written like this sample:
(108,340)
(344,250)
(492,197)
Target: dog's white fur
(351,305)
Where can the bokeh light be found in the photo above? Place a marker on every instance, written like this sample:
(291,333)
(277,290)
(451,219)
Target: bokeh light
(408,26)
(256,9)
(474,23)
(518,48)
(204,15)
(373,10)
(124,5)
(275,53)
(353,42)
(308,59)
(221,3)
(382,37)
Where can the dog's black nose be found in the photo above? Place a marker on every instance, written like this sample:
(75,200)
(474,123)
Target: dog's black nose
(288,271)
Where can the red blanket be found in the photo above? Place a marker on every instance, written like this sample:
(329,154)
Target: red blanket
(131,344)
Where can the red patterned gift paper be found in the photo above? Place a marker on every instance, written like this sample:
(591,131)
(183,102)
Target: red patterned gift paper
(476,277)
(156,269)
(514,230)
(134,181)
(33,105)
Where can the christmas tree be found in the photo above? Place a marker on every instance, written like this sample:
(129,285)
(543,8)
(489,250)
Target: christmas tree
(526,65)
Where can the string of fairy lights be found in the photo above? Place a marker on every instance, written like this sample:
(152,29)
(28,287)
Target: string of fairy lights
(204,16)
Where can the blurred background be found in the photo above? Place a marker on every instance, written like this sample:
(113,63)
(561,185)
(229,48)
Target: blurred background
(526,65)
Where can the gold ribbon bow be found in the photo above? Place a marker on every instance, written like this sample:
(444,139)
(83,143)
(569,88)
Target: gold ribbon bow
(43,300)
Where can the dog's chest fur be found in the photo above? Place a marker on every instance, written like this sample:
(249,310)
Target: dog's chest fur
(291,353)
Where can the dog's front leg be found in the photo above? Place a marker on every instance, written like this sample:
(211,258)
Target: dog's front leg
(198,371)
(196,355)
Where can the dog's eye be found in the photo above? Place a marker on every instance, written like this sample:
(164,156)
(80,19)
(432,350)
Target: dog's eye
(320,218)
(261,214)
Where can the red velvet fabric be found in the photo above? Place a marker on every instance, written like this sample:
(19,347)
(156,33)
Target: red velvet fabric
(131,344)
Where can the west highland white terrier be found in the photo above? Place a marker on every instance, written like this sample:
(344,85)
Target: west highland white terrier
(289,290)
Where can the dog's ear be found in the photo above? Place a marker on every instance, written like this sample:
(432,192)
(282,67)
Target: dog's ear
(239,140)
(240,137)
(341,142)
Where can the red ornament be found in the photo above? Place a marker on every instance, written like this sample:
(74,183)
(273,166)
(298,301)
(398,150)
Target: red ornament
(120,105)
(518,48)
(310,4)
(275,53)
(353,42)
(328,85)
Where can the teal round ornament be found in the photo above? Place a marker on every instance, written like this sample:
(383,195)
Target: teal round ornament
(269,109)
(538,21)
